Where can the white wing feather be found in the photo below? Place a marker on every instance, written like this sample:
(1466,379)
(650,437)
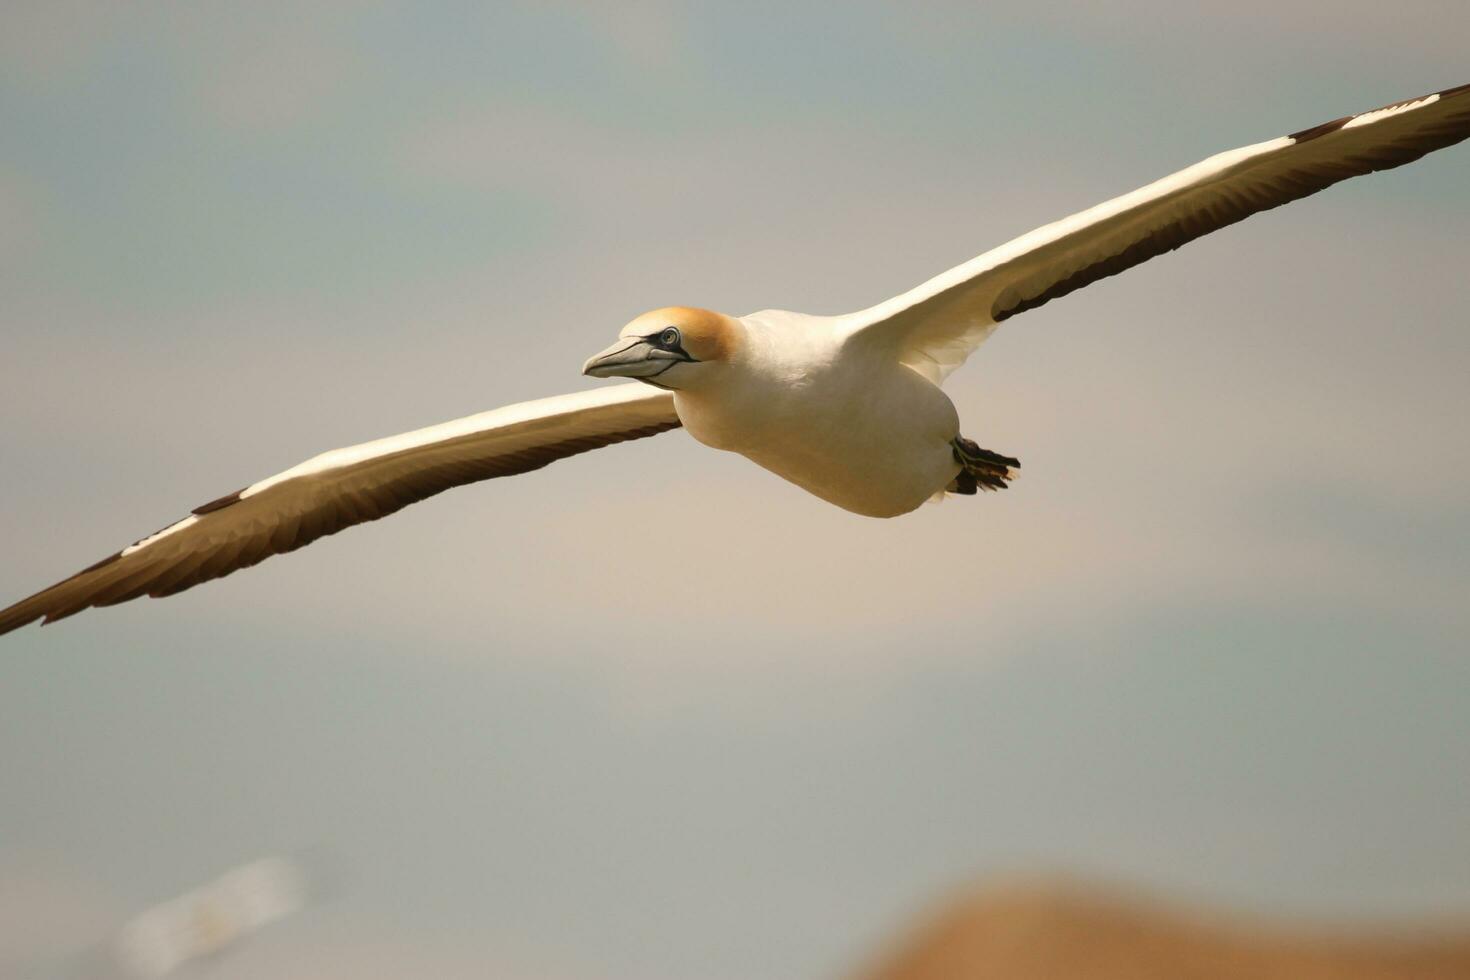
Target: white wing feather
(934,327)
(349,486)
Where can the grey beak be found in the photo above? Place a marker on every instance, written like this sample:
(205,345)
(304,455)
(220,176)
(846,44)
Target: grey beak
(630,357)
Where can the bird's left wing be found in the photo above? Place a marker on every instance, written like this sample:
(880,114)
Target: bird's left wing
(935,326)
(349,486)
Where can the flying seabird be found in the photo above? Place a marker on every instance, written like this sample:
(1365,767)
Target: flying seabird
(846,407)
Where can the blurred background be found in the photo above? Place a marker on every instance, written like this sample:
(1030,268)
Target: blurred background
(1211,648)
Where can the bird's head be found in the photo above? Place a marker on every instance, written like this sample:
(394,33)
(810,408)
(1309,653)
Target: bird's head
(677,347)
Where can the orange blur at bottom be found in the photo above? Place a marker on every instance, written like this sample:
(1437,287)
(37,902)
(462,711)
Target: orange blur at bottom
(1066,932)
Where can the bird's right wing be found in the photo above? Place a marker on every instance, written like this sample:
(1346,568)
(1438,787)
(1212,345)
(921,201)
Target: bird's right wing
(349,486)
(934,327)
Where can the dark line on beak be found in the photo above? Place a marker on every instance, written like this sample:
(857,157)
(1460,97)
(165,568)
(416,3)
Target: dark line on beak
(621,350)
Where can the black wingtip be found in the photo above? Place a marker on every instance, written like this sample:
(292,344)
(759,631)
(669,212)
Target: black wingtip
(1323,129)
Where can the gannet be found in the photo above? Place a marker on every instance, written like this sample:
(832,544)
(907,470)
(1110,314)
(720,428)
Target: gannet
(849,408)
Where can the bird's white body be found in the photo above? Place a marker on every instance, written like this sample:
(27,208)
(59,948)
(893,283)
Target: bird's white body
(842,420)
(848,408)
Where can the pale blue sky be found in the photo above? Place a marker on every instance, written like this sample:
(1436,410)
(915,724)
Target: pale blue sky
(652,713)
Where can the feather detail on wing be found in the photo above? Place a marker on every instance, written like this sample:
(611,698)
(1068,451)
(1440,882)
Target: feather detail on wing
(935,326)
(350,486)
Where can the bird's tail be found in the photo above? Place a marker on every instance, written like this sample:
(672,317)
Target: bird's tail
(982,469)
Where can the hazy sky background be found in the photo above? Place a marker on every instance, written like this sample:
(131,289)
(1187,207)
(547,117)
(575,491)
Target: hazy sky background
(652,714)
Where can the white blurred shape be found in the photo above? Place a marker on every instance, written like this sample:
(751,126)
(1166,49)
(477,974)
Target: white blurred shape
(210,918)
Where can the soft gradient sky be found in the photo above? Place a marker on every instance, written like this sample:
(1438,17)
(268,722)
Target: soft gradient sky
(652,714)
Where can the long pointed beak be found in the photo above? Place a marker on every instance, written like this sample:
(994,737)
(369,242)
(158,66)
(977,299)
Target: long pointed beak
(631,357)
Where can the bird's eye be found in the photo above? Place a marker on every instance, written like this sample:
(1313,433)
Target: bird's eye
(669,338)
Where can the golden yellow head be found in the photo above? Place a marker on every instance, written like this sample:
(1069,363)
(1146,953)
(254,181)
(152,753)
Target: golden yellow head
(669,347)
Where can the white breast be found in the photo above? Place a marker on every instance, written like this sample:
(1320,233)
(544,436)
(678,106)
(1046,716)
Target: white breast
(862,432)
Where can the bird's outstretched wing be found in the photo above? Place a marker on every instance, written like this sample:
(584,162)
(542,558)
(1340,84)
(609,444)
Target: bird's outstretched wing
(349,486)
(935,326)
